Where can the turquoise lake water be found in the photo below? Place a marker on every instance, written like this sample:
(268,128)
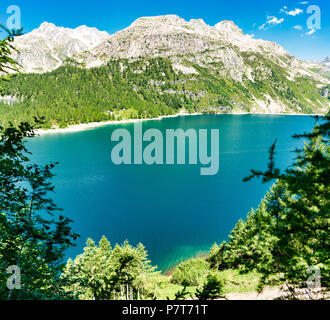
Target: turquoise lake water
(173,210)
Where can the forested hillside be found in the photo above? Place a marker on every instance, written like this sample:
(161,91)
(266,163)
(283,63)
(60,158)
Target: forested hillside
(147,88)
(72,95)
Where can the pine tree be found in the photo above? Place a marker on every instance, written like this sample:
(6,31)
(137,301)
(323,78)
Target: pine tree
(212,289)
(302,213)
(101,273)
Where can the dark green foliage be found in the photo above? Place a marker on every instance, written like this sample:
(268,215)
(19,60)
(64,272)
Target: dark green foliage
(191,273)
(216,257)
(183,294)
(7,64)
(302,219)
(252,241)
(212,289)
(33,236)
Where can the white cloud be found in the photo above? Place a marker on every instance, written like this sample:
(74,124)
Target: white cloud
(250,36)
(275,21)
(271,21)
(292,13)
(262,27)
(295,12)
(304,2)
(311,32)
(298,27)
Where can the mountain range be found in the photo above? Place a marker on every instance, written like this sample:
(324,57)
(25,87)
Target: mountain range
(217,68)
(46,48)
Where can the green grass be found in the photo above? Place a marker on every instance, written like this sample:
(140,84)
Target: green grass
(234,282)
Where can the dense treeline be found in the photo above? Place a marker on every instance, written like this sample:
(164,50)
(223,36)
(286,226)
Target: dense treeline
(71,95)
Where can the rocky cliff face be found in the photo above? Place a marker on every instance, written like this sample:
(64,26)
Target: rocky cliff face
(168,36)
(47,48)
(171,35)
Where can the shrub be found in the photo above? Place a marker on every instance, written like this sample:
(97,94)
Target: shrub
(191,273)
(212,289)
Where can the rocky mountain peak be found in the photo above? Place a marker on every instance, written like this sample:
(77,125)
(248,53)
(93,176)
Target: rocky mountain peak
(158,20)
(46,26)
(47,47)
(199,22)
(228,26)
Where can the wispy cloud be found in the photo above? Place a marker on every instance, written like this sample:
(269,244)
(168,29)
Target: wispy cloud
(304,2)
(292,13)
(311,32)
(295,12)
(298,27)
(271,20)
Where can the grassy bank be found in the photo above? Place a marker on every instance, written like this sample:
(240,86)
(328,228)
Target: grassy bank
(234,282)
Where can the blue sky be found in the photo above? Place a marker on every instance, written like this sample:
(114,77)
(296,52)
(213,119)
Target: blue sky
(284,22)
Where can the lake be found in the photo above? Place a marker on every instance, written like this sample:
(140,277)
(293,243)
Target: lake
(173,210)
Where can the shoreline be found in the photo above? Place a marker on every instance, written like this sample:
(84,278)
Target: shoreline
(203,254)
(93,125)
